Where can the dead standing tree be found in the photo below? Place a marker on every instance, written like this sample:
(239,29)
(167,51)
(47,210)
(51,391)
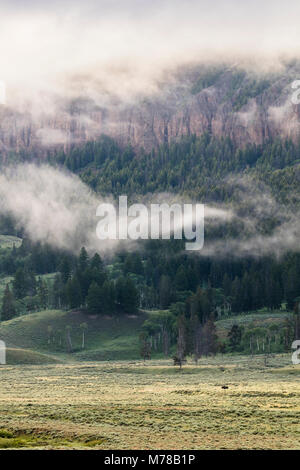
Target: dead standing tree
(145,346)
(179,359)
(69,341)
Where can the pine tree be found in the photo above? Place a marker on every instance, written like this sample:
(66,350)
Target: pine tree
(96,262)
(235,337)
(94,299)
(181,279)
(65,269)
(19,284)
(165,292)
(83,260)
(73,293)
(130,297)
(8,310)
(42,292)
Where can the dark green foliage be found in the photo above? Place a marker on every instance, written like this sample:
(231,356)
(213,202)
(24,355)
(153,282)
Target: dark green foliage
(65,268)
(94,299)
(83,260)
(165,291)
(42,293)
(161,275)
(235,337)
(73,292)
(8,310)
(127,296)
(24,283)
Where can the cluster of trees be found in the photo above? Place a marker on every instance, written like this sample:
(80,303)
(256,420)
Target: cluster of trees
(181,333)
(87,284)
(222,286)
(158,276)
(177,330)
(274,337)
(79,283)
(196,166)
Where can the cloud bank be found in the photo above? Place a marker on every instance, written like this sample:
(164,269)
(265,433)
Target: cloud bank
(56,207)
(63,48)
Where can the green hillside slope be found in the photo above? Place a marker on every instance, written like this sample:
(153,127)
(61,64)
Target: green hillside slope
(105,337)
(20,356)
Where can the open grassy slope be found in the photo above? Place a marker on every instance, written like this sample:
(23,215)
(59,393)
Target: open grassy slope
(25,356)
(106,337)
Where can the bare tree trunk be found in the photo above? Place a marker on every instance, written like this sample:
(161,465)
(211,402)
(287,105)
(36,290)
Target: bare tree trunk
(166,342)
(69,341)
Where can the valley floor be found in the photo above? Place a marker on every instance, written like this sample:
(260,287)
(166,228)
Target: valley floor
(129,405)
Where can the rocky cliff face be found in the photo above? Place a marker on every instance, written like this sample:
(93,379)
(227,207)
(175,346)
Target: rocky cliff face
(226,102)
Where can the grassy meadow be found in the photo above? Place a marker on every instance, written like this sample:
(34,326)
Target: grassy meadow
(102,397)
(132,405)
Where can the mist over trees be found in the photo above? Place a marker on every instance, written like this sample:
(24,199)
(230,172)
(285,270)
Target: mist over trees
(189,292)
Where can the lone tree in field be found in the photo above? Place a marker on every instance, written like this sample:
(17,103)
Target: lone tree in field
(50,333)
(83,327)
(145,347)
(69,340)
(8,310)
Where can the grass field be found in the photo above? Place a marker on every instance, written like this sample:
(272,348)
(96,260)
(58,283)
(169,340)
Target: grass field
(25,356)
(129,405)
(52,399)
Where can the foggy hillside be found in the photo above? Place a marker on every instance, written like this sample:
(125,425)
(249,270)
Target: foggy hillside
(247,106)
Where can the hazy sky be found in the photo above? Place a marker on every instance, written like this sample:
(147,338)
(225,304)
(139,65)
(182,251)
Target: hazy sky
(66,47)
(125,44)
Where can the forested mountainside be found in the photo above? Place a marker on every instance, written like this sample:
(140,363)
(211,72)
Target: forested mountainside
(220,136)
(160,274)
(225,101)
(199,167)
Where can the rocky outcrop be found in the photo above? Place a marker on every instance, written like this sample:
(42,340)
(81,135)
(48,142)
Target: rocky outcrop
(224,108)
